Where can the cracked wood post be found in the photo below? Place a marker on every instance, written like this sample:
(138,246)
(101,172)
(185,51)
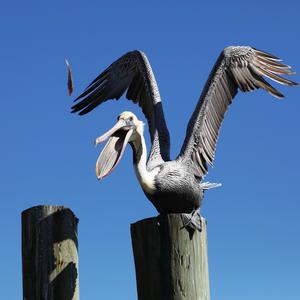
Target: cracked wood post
(170,262)
(50,254)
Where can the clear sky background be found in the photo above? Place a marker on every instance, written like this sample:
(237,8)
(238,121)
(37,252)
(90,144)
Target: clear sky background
(47,155)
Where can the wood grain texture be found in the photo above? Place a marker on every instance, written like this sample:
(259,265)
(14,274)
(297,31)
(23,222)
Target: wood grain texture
(50,254)
(170,262)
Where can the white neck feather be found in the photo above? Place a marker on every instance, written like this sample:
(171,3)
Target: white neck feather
(145,178)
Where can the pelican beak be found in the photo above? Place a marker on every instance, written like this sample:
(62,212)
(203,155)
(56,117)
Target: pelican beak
(118,137)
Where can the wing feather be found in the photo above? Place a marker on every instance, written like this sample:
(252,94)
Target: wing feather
(131,72)
(236,68)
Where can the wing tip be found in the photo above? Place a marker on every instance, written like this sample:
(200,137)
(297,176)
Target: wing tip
(266,54)
(277,95)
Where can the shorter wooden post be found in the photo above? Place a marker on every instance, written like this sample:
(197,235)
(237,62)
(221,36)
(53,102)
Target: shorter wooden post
(50,254)
(170,262)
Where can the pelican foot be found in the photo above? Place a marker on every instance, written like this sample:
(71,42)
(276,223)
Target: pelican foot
(192,220)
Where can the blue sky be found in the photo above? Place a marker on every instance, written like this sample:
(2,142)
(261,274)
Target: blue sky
(47,155)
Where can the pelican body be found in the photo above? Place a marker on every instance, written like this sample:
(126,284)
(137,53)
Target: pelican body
(175,186)
(176,189)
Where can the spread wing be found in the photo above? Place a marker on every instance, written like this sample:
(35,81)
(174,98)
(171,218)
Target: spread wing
(131,72)
(236,68)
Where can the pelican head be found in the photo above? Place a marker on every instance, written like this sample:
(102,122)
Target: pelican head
(126,130)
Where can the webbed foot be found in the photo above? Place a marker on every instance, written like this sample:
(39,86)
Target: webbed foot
(192,220)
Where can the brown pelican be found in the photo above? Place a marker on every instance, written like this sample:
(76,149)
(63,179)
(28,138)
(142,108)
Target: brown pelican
(175,186)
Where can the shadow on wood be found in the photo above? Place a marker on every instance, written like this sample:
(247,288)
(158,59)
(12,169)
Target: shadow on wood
(50,254)
(170,263)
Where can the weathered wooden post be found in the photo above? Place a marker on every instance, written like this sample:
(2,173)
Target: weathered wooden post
(50,254)
(170,262)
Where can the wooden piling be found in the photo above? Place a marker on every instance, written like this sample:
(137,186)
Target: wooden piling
(50,254)
(170,262)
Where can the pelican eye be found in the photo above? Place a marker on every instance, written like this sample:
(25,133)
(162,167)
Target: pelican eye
(131,119)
